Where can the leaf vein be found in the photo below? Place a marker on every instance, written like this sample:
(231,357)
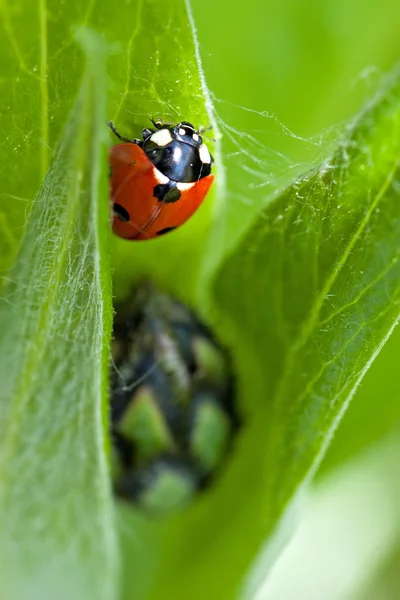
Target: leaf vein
(310,323)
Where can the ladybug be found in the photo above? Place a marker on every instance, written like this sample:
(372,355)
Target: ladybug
(158,182)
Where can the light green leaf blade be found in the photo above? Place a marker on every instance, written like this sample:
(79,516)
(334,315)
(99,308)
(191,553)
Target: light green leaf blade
(55,504)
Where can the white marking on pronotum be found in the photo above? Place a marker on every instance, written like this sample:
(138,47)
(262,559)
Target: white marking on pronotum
(185,186)
(204,155)
(161,178)
(162,137)
(195,137)
(182,131)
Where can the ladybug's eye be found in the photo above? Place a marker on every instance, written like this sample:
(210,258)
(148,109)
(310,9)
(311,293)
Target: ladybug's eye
(155,155)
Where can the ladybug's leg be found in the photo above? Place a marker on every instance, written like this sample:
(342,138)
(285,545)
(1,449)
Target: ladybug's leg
(202,130)
(166,192)
(121,137)
(147,132)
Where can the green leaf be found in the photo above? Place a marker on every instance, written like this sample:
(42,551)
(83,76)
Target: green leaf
(56,517)
(373,413)
(307,300)
(350,527)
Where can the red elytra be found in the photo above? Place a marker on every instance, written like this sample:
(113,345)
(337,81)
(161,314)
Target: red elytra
(133,179)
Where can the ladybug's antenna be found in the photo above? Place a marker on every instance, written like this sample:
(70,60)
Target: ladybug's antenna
(157,123)
(119,136)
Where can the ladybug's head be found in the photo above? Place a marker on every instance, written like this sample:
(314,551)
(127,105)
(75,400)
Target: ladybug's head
(177,151)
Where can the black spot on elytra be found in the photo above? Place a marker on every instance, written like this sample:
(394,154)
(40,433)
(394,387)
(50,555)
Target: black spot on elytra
(110,171)
(121,213)
(166,192)
(165,230)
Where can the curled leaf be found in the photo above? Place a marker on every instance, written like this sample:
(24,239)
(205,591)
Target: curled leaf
(56,516)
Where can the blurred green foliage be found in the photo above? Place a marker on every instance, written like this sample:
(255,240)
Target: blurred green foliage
(312,64)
